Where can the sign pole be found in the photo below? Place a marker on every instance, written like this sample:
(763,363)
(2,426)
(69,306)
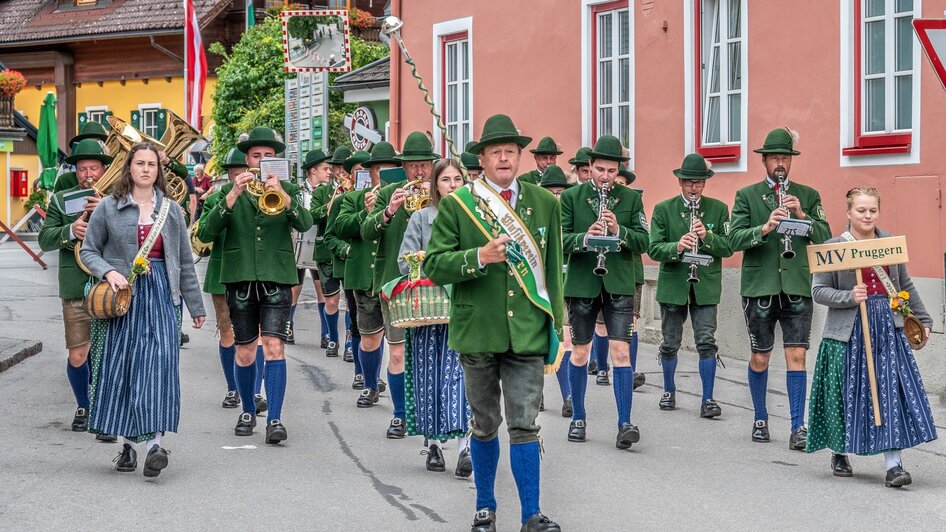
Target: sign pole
(869,353)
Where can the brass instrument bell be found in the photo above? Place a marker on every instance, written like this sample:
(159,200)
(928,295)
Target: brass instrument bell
(270,202)
(419,198)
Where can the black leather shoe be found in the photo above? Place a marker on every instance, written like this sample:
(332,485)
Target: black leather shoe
(291,337)
(358,383)
(464,465)
(484,521)
(760,431)
(349,356)
(576,430)
(628,434)
(80,423)
(324,342)
(275,432)
(592,367)
(567,409)
(542,403)
(156,460)
(261,404)
(107,438)
(841,466)
(798,439)
(639,379)
(435,460)
(710,408)
(245,424)
(540,523)
(232,400)
(367,399)
(668,401)
(603,379)
(897,477)
(184,339)
(332,350)
(127,460)
(382,386)
(396,429)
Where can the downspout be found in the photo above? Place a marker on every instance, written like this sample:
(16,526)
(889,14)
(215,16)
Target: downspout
(164,50)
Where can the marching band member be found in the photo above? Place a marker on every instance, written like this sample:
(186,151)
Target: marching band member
(612,294)
(498,242)
(625,178)
(318,171)
(341,180)
(775,288)
(471,162)
(580,164)
(259,274)
(545,153)
(386,223)
(689,221)
(89,130)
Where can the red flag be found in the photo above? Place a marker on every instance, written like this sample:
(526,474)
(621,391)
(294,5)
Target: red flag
(195,66)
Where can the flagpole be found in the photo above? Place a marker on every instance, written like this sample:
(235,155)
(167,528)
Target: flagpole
(186,57)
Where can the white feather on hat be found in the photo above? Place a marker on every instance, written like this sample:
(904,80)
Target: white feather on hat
(794,134)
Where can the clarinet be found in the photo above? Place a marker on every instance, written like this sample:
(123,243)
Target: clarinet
(601,270)
(693,277)
(787,251)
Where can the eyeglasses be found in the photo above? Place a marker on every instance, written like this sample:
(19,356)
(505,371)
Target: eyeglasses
(694,183)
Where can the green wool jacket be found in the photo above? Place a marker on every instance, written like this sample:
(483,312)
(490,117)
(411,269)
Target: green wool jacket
(318,207)
(764,271)
(531,177)
(579,212)
(256,246)
(360,263)
(212,284)
(489,312)
(388,235)
(55,235)
(337,246)
(66,181)
(670,221)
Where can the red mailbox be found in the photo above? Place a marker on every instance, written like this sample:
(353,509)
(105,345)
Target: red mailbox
(19,183)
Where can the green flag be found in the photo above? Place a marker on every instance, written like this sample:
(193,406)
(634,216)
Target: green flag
(250,14)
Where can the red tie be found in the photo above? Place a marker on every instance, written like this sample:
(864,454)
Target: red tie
(506,194)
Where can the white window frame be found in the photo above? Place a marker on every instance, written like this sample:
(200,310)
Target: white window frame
(441,30)
(94,110)
(725,91)
(148,107)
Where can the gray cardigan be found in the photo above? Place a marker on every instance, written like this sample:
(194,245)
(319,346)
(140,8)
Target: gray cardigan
(833,290)
(111,243)
(417,235)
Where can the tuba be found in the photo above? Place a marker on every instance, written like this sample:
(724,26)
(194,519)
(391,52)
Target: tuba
(200,248)
(419,198)
(178,136)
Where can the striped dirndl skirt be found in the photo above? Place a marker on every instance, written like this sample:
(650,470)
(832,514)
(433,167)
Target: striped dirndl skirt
(434,389)
(136,388)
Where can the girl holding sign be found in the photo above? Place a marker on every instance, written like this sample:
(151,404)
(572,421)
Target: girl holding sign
(841,415)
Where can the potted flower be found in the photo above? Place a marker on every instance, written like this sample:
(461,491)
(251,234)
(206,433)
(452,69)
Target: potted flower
(11,83)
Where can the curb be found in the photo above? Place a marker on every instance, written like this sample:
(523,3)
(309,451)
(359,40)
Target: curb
(18,353)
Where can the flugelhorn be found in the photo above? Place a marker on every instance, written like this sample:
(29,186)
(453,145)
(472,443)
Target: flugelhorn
(780,189)
(270,202)
(419,198)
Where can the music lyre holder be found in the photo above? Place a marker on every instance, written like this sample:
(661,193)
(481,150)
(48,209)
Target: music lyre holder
(699,259)
(793,227)
(606,243)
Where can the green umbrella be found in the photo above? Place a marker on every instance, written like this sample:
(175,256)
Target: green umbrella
(47,141)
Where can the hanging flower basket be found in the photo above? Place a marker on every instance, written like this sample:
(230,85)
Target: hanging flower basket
(11,83)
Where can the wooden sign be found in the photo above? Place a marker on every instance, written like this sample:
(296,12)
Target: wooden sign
(858,254)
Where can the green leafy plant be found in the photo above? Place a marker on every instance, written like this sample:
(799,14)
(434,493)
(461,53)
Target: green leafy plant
(39,198)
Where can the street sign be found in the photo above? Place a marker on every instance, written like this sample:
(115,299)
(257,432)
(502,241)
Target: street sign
(361,128)
(932,35)
(857,254)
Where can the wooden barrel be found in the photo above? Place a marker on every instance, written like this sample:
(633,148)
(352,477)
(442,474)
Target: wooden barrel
(102,302)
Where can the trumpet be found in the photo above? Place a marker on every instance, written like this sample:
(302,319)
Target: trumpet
(780,188)
(419,198)
(269,201)
(693,277)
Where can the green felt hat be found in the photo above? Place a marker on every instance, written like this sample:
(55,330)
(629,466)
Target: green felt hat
(262,136)
(89,149)
(626,174)
(581,157)
(470,161)
(554,176)
(341,153)
(694,167)
(90,130)
(469,145)
(779,141)
(417,147)
(312,158)
(382,152)
(608,148)
(359,157)
(235,159)
(499,129)
(547,146)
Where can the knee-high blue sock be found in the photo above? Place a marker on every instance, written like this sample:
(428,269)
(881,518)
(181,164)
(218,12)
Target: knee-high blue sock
(275,388)
(371,365)
(578,383)
(348,321)
(599,346)
(79,380)
(227,354)
(524,459)
(292,316)
(562,375)
(260,364)
(623,378)
(396,385)
(322,320)
(796,383)
(485,457)
(245,380)
(669,365)
(758,383)
(634,349)
(356,354)
(708,376)
(331,322)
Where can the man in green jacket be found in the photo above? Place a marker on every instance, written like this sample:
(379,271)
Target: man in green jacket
(318,174)
(681,224)
(775,287)
(585,218)
(387,223)
(341,181)
(90,130)
(260,270)
(580,164)
(498,241)
(545,153)
(63,229)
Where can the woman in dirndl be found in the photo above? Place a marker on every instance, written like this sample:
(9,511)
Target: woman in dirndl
(841,413)
(135,381)
(436,401)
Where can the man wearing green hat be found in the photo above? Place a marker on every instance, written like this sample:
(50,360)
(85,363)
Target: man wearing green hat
(360,269)
(89,130)
(687,222)
(260,270)
(471,162)
(612,294)
(65,225)
(580,163)
(498,241)
(387,223)
(776,288)
(545,153)
(340,183)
